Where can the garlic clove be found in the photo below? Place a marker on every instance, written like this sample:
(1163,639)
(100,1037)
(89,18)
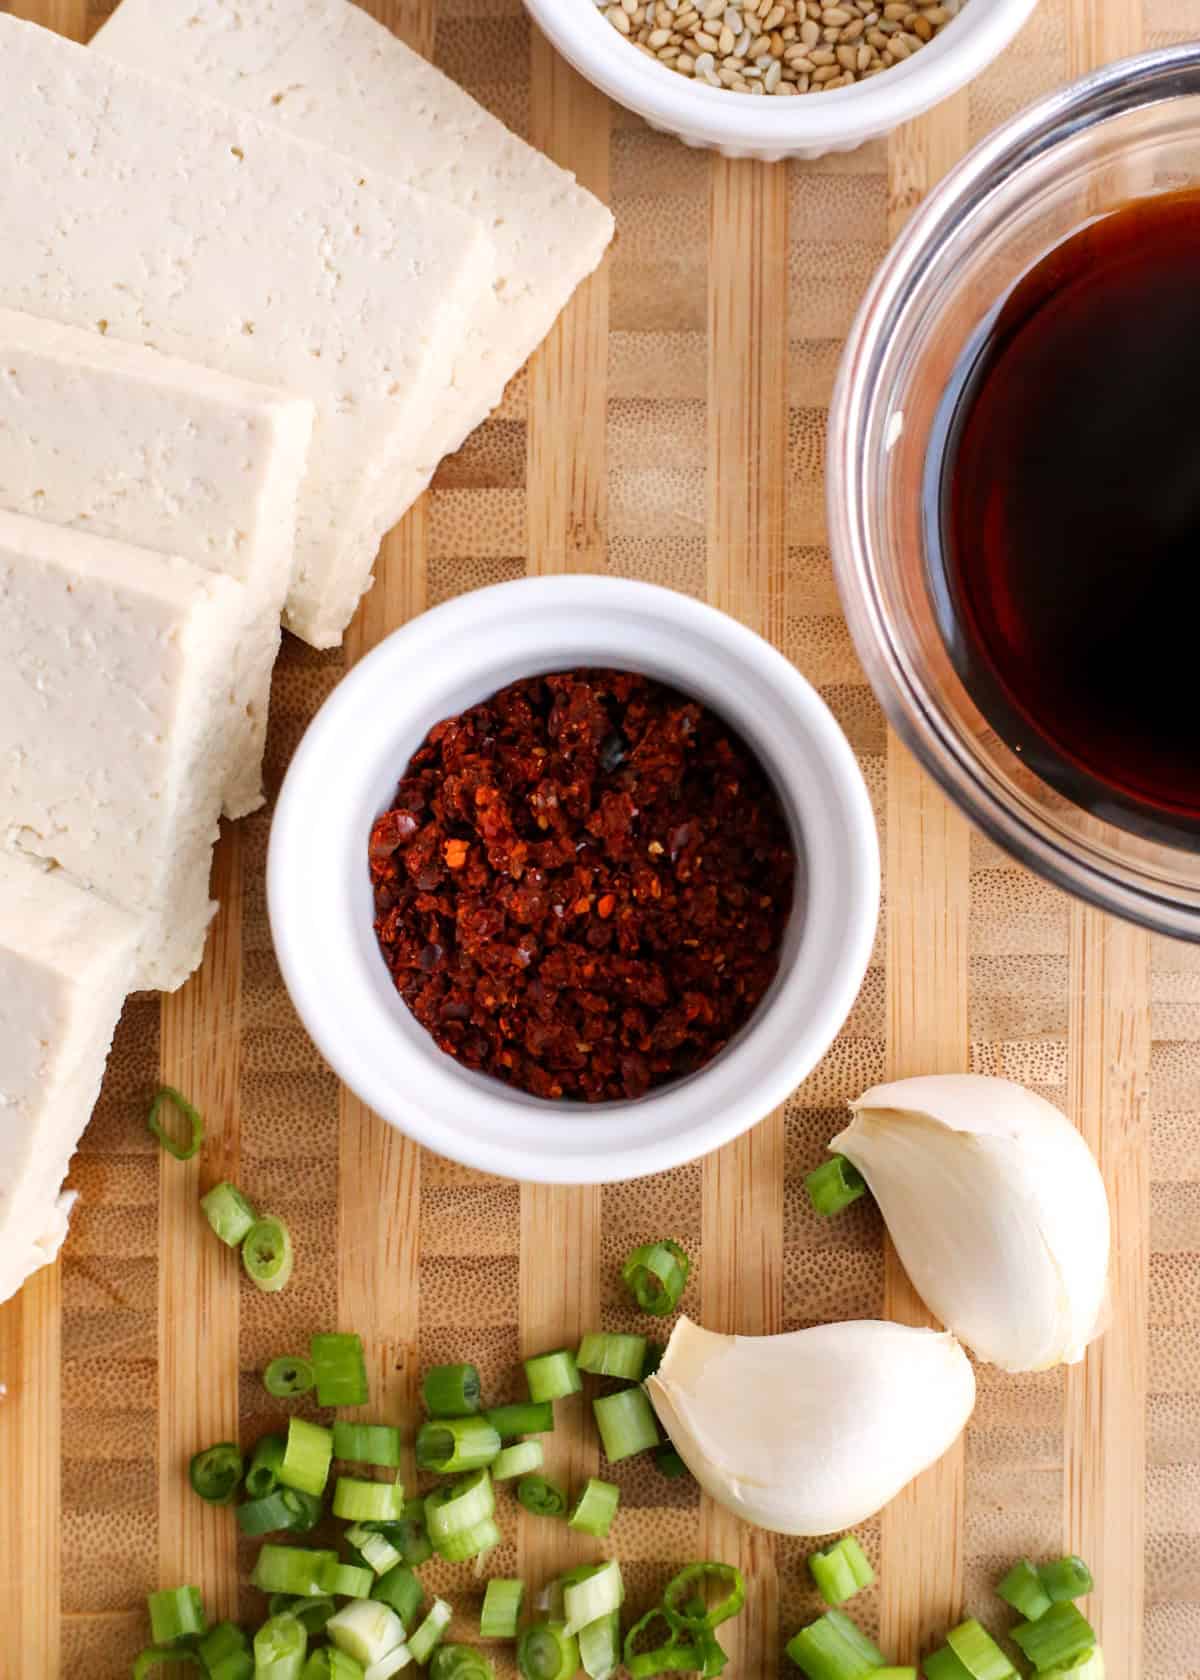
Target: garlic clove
(997,1210)
(815,1430)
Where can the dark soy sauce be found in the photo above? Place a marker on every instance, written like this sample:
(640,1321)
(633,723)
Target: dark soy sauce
(1065,543)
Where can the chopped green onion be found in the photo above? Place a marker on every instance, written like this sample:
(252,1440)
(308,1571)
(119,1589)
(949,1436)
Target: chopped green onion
(656,1274)
(674,1655)
(228,1212)
(176,1613)
(517,1460)
(267,1254)
(224,1640)
(305,1509)
(460,1662)
(894,1674)
(833,1648)
(451,1391)
(216,1473)
(349,1581)
(595,1508)
(279,1649)
(263,1474)
(430,1632)
(1058,1637)
(269,1515)
(402,1591)
(552,1376)
(356,1501)
(979,1653)
(1022,1588)
(238,1665)
(540,1497)
(191,1116)
(501,1609)
(294,1570)
(307,1456)
(339,1369)
(693,1579)
(376,1549)
(668,1463)
(600,1647)
(546,1652)
(606,1354)
(389,1665)
(1090,1667)
(331,1664)
(653,1359)
(409,1535)
(472,1542)
(591,1594)
(626,1423)
(834,1185)
(453,1444)
(525,1417)
(367,1443)
(156,1656)
(842,1570)
(458,1506)
(287,1376)
(312,1612)
(366,1630)
(943,1665)
(1068,1578)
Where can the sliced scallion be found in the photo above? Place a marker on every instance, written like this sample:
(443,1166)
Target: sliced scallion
(331,1664)
(1091,1667)
(182,1149)
(942,1665)
(313,1612)
(294,1570)
(595,1508)
(841,1571)
(473,1542)
(159,1656)
(517,1460)
(460,1662)
(834,1185)
(451,1391)
(267,1254)
(216,1473)
(367,1443)
(306,1457)
(674,1655)
(305,1510)
(339,1369)
(668,1463)
(894,1674)
(833,1648)
(263,1474)
(375,1548)
(501,1609)
(224,1640)
(458,1506)
(389,1665)
(656,1275)
(1057,1638)
(607,1354)
(287,1376)
(592,1593)
(552,1376)
(540,1497)
(693,1580)
(238,1665)
(350,1581)
(1067,1578)
(429,1635)
(600,1647)
(524,1417)
(280,1646)
(1022,1588)
(546,1652)
(410,1536)
(453,1444)
(228,1212)
(269,1515)
(356,1501)
(979,1653)
(366,1630)
(400,1589)
(626,1423)
(176,1613)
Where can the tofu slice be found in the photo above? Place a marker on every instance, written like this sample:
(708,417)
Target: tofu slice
(328,72)
(123,442)
(66,963)
(115,723)
(131,208)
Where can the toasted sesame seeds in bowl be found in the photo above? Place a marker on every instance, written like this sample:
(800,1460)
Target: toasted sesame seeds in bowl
(779,78)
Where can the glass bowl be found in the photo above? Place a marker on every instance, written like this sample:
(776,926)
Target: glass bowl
(1128,131)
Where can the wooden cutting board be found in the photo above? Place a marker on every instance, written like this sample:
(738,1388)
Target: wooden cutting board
(670,429)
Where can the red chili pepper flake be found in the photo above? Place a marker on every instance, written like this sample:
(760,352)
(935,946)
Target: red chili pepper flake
(582,885)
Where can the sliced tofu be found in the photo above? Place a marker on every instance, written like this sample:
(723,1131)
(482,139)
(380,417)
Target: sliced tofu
(66,963)
(133,208)
(327,71)
(115,724)
(121,441)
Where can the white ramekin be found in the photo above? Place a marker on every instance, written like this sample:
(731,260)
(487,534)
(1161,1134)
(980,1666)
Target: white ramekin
(806,126)
(345,772)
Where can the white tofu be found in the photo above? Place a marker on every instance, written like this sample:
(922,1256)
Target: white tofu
(327,71)
(130,207)
(66,963)
(115,724)
(123,442)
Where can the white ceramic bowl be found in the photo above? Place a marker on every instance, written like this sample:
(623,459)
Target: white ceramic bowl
(806,126)
(345,773)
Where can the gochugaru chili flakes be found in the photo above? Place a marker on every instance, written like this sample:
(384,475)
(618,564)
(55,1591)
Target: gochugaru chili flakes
(582,885)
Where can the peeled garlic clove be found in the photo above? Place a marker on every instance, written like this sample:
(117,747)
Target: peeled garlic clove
(815,1430)
(997,1209)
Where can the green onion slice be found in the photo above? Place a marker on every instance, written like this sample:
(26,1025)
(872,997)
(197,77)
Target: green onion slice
(366,1630)
(606,1354)
(460,1662)
(540,1497)
(339,1369)
(228,1212)
(400,1589)
(269,1515)
(834,1185)
(546,1652)
(472,1542)
(458,1506)
(331,1664)
(410,1536)
(552,1376)
(595,1508)
(294,1570)
(157,1656)
(1091,1667)
(238,1665)
(288,1376)
(389,1665)
(356,1501)
(216,1473)
(894,1674)
(517,1460)
(1068,1578)
(190,1146)
(451,1390)
(224,1640)
(656,1275)
(600,1647)
(942,1665)
(591,1593)
(668,1463)
(267,1254)
(1057,1638)
(693,1580)
(626,1423)
(501,1609)
(375,1548)
(263,1474)
(979,1653)
(525,1417)
(673,1655)
(429,1634)
(367,1443)
(452,1444)
(350,1581)
(279,1649)
(176,1613)
(307,1456)
(833,1648)
(305,1510)
(312,1612)
(1022,1588)
(841,1571)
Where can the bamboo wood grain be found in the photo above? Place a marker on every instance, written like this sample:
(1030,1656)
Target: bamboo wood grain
(741,1279)
(928,905)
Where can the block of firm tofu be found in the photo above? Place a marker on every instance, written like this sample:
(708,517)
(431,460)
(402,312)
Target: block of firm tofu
(327,71)
(115,720)
(66,963)
(123,442)
(131,207)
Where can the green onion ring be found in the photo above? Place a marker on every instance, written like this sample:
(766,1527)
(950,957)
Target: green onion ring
(286,1376)
(267,1254)
(540,1497)
(216,1472)
(689,1579)
(181,1151)
(657,1275)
